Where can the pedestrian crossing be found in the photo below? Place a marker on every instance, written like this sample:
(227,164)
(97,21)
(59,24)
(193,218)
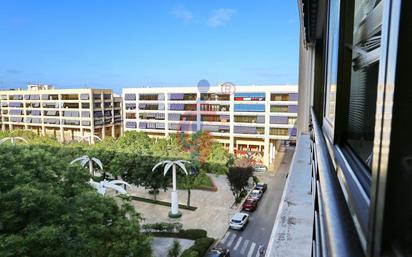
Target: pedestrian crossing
(240,246)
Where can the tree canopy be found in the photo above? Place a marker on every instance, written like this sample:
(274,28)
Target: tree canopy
(48,209)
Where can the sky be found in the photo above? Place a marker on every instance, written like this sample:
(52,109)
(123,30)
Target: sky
(117,44)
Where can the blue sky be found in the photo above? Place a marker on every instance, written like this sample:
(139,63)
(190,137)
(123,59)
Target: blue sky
(116,44)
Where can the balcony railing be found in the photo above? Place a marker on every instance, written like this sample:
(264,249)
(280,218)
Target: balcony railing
(334,231)
(313,199)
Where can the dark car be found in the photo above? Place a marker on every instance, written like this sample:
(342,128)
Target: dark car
(218,252)
(250,204)
(261,186)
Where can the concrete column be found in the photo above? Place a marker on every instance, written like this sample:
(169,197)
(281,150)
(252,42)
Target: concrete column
(271,153)
(166,101)
(113,131)
(61,134)
(306,68)
(266,156)
(232,122)
(103,132)
(198,114)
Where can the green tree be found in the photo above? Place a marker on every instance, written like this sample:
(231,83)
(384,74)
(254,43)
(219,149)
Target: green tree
(175,250)
(48,209)
(238,178)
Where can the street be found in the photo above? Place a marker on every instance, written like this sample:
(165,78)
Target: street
(257,232)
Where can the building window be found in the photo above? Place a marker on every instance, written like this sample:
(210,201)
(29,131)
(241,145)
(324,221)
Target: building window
(279,131)
(279,97)
(364,78)
(279,108)
(332,60)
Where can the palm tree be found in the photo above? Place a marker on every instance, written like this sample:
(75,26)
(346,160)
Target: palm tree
(89,160)
(167,165)
(88,138)
(102,186)
(13,140)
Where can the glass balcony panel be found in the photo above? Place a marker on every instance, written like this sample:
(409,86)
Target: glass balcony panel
(130,97)
(249,108)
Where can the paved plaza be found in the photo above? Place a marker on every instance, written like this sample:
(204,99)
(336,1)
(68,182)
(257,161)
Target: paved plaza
(213,213)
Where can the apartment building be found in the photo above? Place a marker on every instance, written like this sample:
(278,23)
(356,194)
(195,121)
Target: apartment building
(248,120)
(66,114)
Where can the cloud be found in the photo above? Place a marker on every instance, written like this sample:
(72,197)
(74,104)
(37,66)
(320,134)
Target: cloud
(220,17)
(182,13)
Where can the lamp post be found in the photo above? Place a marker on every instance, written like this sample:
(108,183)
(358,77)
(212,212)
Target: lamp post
(89,138)
(88,160)
(174,213)
(13,140)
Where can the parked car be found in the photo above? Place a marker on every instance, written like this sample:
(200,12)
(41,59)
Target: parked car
(219,252)
(239,221)
(256,194)
(261,186)
(250,204)
(259,168)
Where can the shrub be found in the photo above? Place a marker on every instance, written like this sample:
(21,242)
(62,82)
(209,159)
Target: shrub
(193,233)
(255,179)
(174,251)
(189,253)
(163,227)
(202,245)
(243,194)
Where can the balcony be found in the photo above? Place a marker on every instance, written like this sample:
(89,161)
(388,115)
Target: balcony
(151,97)
(214,97)
(151,107)
(214,107)
(182,97)
(313,218)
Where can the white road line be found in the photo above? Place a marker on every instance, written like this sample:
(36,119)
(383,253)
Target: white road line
(229,244)
(252,247)
(238,243)
(225,237)
(242,251)
(258,251)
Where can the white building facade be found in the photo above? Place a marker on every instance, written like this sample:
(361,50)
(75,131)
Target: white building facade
(66,114)
(250,121)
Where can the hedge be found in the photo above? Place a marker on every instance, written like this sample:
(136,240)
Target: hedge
(146,200)
(192,234)
(189,253)
(200,246)
(163,227)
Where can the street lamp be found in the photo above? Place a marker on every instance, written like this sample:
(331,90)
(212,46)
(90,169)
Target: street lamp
(102,186)
(89,138)
(174,213)
(84,160)
(13,140)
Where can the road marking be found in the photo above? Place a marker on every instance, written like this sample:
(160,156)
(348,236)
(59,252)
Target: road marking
(258,251)
(252,247)
(242,251)
(225,237)
(229,244)
(238,243)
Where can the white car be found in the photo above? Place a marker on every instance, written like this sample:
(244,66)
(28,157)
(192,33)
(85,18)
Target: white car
(239,221)
(256,194)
